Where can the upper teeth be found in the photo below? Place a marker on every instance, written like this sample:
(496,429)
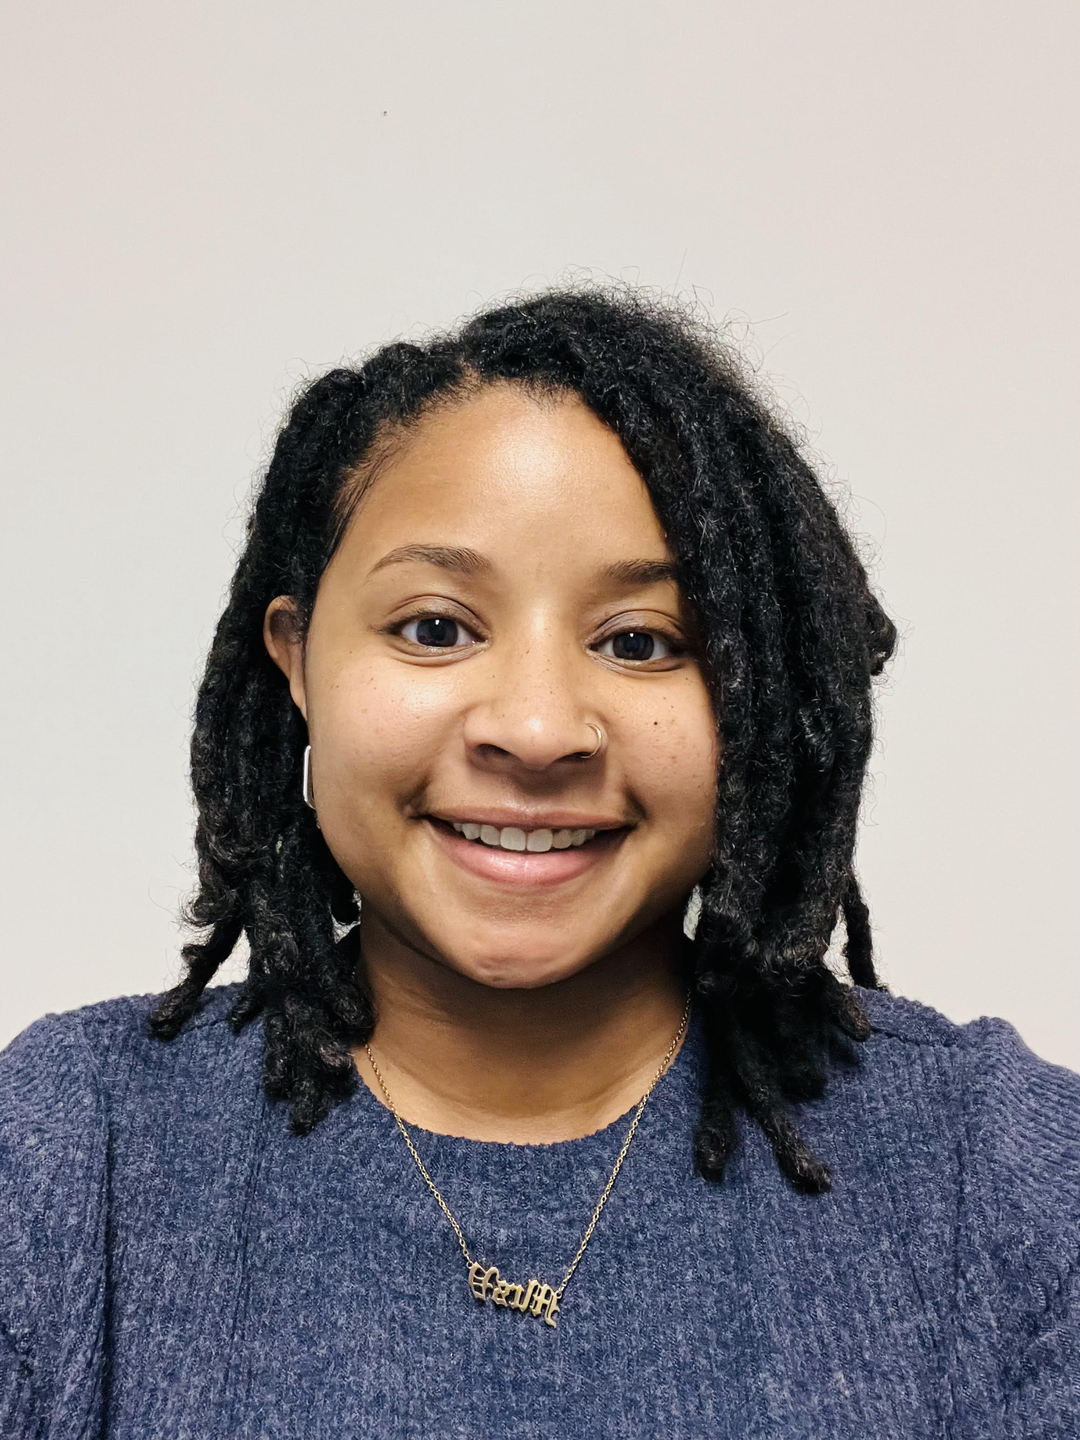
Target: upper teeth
(511,838)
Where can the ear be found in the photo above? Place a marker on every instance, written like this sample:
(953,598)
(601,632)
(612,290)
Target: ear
(283,639)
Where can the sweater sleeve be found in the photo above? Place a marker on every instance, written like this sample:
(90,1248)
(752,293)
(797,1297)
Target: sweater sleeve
(53,1158)
(1022,1196)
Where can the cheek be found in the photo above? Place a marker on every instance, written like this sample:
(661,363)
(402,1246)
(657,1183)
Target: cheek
(674,769)
(374,739)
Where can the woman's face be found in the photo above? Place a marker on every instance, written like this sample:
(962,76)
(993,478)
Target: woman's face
(502,587)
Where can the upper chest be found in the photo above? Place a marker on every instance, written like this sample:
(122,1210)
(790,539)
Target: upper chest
(319,1282)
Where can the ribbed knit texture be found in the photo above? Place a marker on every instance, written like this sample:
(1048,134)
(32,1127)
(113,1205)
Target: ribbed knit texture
(173,1263)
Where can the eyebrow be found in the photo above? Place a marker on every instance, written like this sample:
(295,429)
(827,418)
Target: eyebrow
(641,572)
(447,557)
(469,562)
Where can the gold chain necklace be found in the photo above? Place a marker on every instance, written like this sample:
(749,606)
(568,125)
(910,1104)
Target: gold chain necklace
(485,1282)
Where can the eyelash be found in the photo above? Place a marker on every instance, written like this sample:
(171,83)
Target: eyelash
(675,647)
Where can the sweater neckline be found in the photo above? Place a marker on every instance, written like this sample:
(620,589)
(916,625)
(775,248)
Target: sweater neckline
(670,1093)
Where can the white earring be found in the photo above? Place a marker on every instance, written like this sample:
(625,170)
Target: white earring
(309,798)
(692,913)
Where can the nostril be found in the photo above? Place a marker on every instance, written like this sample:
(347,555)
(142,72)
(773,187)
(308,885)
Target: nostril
(493,752)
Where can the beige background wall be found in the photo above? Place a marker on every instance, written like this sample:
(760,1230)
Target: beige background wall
(206,201)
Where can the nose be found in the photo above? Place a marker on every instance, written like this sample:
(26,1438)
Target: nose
(534,712)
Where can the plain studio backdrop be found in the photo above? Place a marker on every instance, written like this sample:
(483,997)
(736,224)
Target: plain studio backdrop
(206,203)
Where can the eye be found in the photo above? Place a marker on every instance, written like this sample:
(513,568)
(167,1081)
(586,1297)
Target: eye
(637,646)
(435,632)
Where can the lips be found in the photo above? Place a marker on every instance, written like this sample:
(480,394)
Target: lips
(520,866)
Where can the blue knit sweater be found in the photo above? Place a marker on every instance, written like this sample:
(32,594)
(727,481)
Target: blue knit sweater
(173,1263)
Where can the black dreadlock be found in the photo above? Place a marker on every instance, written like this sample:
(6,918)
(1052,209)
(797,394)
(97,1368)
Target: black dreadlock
(790,638)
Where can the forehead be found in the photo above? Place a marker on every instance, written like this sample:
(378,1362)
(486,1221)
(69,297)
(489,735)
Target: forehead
(509,473)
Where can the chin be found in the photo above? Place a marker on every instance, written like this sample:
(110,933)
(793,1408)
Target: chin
(517,973)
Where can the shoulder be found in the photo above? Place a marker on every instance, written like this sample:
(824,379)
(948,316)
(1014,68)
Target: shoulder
(71,1079)
(977,1128)
(1009,1119)
(80,1093)
(66,1076)
(988,1065)
(1020,1110)
(66,1067)
(1013,1127)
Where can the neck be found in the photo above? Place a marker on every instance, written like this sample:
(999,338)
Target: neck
(523,1066)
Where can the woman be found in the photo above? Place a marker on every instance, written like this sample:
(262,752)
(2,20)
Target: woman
(545,639)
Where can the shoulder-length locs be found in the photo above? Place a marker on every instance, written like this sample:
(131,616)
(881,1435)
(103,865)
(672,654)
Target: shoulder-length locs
(791,637)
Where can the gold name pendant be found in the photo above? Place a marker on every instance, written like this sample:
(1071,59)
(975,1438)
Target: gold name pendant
(486,1283)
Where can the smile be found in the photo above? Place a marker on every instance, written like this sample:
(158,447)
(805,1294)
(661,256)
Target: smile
(512,855)
(511,837)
